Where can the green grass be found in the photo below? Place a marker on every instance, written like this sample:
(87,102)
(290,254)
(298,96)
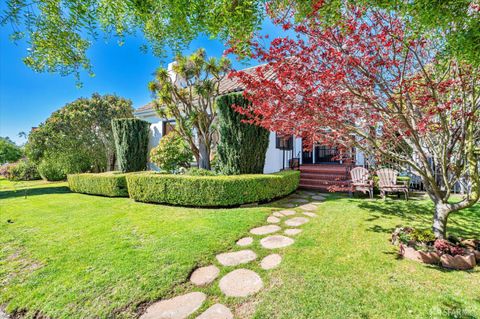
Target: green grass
(343,266)
(68,255)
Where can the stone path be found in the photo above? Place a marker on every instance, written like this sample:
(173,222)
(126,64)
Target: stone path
(239,282)
(237,257)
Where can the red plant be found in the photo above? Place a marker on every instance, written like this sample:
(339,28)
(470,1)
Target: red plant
(445,247)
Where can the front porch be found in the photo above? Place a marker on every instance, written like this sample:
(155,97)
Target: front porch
(325,176)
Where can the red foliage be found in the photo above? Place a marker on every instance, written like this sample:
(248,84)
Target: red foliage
(445,247)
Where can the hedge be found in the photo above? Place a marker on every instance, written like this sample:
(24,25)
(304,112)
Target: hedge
(111,184)
(131,143)
(211,191)
(400,180)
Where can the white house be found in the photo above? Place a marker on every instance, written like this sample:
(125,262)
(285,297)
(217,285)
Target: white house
(319,167)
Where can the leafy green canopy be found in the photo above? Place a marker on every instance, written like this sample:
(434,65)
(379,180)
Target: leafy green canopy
(9,151)
(60,32)
(79,136)
(172,153)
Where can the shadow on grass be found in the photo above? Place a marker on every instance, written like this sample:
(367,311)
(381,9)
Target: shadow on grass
(26,192)
(419,213)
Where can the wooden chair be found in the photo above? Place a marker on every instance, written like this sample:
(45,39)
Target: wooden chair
(361,181)
(387,182)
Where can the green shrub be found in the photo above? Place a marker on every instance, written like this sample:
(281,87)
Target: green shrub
(242,146)
(112,184)
(131,142)
(211,191)
(51,170)
(400,180)
(194,171)
(171,153)
(22,170)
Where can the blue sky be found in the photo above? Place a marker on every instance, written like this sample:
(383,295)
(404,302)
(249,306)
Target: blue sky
(27,98)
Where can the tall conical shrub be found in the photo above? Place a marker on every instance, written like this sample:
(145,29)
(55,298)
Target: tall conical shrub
(131,142)
(242,146)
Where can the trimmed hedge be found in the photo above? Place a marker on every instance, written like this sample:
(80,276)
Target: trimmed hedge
(131,143)
(109,184)
(400,180)
(211,191)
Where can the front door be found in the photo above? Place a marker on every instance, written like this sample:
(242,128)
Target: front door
(325,154)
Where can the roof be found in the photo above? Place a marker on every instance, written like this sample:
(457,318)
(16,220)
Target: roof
(227,85)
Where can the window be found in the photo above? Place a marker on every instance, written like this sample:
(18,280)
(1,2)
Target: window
(284,142)
(167,127)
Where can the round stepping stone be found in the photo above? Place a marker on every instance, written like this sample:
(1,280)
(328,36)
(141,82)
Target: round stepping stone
(245,241)
(204,275)
(288,212)
(277,214)
(236,258)
(318,197)
(300,200)
(273,220)
(309,214)
(308,207)
(315,203)
(264,230)
(217,311)
(276,241)
(292,231)
(175,308)
(240,283)
(271,261)
(296,221)
(288,205)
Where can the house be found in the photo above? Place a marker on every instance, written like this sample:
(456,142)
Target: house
(319,167)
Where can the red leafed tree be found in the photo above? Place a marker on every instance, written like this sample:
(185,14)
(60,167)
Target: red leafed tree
(369,82)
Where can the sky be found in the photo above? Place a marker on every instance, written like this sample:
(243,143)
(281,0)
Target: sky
(28,98)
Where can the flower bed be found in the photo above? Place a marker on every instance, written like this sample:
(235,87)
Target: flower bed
(111,184)
(211,191)
(421,245)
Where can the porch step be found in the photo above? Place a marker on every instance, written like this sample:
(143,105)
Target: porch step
(322,176)
(325,177)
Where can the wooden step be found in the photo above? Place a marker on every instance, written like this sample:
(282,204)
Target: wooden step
(328,177)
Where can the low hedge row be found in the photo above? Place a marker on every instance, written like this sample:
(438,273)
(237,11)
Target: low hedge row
(111,184)
(210,191)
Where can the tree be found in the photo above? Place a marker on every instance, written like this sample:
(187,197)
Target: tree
(9,152)
(171,153)
(369,82)
(80,134)
(59,33)
(188,95)
(242,146)
(131,141)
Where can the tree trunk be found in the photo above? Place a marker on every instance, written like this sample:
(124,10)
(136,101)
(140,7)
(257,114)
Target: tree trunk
(440,220)
(204,150)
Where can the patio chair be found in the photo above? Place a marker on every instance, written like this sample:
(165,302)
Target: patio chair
(387,182)
(361,181)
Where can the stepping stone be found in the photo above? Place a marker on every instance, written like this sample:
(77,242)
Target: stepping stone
(175,308)
(309,214)
(308,207)
(237,257)
(204,275)
(245,241)
(288,205)
(271,261)
(300,200)
(276,241)
(318,197)
(273,220)
(296,221)
(240,283)
(278,214)
(288,212)
(316,203)
(217,311)
(308,193)
(292,231)
(264,230)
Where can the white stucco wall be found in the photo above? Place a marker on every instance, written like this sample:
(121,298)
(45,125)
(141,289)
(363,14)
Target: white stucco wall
(274,157)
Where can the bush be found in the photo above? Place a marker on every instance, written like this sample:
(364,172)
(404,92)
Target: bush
(171,153)
(131,142)
(111,184)
(242,146)
(194,171)
(22,170)
(211,191)
(400,180)
(51,170)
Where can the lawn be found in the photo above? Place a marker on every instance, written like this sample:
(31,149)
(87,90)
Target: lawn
(76,256)
(67,255)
